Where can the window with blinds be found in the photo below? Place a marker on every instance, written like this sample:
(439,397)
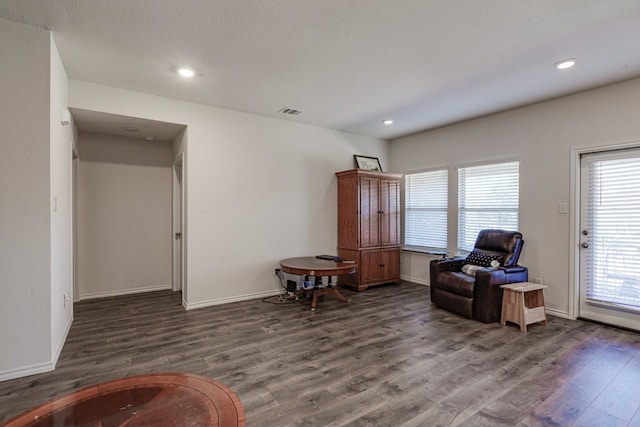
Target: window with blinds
(488,197)
(425,213)
(613,232)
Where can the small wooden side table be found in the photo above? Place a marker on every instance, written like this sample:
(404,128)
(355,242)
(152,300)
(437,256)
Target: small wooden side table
(523,304)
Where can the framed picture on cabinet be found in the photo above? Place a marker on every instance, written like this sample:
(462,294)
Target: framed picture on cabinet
(367,163)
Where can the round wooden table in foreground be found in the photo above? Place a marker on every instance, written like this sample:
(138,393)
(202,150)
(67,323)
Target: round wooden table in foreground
(144,400)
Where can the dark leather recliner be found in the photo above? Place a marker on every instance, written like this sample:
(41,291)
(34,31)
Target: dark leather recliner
(479,297)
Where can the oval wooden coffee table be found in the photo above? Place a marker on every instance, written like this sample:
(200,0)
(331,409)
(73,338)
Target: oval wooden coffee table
(144,400)
(313,267)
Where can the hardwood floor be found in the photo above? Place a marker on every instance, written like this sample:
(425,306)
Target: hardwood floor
(389,358)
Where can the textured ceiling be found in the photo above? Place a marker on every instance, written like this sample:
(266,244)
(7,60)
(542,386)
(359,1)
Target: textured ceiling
(348,64)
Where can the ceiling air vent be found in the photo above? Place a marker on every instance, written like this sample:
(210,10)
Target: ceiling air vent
(290,111)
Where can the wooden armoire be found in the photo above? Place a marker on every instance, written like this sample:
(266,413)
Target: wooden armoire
(369,226)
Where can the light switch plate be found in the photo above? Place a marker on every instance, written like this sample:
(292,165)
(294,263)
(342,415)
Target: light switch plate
(563,208)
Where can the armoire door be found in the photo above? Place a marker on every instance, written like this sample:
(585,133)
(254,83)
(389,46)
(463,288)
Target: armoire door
(369,208)
(369,267)
(389,212)
(390,261)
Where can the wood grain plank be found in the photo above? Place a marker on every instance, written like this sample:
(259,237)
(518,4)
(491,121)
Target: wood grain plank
(387,358)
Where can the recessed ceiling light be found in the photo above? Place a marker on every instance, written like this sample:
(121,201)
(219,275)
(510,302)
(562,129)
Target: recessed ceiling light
(185,72)
(131,128)
(388,122)
(565,63)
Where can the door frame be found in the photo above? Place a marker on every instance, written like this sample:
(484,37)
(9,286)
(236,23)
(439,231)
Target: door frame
(178,257)
(574,218)
(75,174)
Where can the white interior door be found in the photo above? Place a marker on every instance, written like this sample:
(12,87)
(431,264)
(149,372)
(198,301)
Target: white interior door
(610,238)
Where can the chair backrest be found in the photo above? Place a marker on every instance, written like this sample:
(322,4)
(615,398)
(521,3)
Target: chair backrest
(507,244)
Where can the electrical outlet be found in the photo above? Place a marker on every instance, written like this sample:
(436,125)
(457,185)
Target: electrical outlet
(276,270)
(537,280)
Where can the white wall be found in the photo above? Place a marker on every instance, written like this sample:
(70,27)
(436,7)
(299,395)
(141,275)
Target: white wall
(414,266)
(61,227)
(124,216)
(25,259)
(541,136)
(259,189)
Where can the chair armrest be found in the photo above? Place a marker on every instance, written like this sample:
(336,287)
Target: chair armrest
(513,269)
(447,264)
(438,266)
(501,275)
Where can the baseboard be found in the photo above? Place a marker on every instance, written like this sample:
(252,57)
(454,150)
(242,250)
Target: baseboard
(63,338)
(26,371)
(558,313)
(125,292)
(228,300)
(39,368)
(415,280)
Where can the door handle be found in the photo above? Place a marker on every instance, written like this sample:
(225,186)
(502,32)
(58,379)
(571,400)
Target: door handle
(585,245)
(178,236)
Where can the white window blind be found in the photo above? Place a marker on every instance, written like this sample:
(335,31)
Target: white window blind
(425,221)
(613,227)
(487,198)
